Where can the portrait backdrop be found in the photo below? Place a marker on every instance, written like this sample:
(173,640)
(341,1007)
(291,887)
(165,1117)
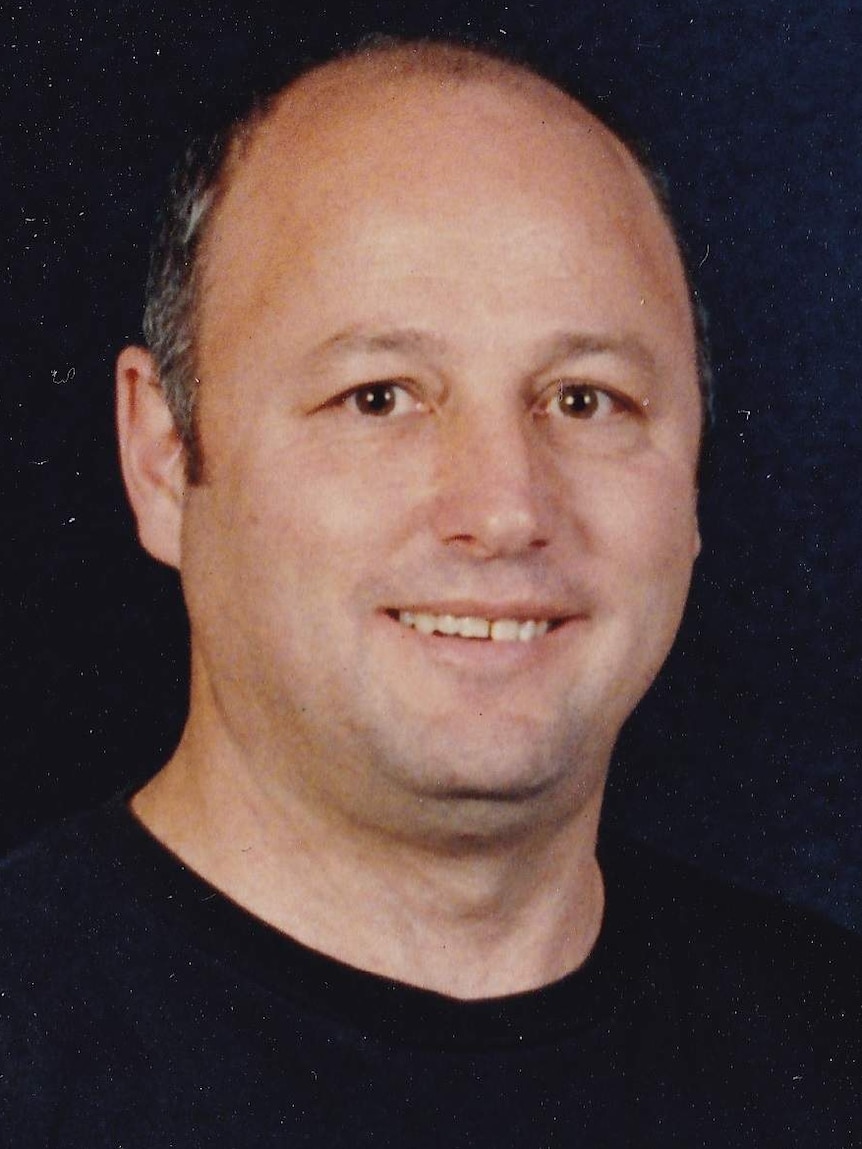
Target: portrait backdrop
(746,758)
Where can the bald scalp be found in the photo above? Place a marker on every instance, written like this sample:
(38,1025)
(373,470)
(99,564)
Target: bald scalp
(373,78)
(381,61)
(299,115)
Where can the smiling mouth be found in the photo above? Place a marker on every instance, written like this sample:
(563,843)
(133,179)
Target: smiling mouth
(476,628)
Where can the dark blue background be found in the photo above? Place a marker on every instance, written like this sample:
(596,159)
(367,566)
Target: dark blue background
(747,756)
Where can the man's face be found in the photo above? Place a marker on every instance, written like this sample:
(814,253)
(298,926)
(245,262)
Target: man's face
(448,385)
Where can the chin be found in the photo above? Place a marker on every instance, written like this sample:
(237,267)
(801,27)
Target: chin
(466,819)
(496,786)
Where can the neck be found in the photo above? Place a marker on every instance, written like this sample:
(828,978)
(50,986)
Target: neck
(474,916)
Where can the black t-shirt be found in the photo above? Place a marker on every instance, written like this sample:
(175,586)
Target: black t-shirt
(141,1007)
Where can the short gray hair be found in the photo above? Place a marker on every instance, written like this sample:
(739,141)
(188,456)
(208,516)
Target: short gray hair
(172,284)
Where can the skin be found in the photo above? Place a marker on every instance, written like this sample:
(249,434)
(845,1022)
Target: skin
(421,806)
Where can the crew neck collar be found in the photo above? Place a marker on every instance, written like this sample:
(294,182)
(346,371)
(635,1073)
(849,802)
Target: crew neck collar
(206,919)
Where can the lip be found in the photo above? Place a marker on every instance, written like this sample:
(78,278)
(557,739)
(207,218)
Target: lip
(519,610)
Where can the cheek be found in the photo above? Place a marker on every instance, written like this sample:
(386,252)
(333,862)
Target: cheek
(300,517)
(646,530)
(353,488)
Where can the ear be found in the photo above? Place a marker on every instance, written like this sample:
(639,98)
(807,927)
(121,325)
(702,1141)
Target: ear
(151,455)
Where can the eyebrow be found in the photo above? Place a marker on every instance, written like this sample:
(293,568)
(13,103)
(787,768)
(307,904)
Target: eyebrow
(361,340)
(576,345)
(553,349)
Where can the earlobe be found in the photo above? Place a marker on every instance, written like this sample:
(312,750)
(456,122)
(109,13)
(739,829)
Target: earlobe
(151,455)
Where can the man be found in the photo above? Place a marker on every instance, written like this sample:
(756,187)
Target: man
(419,427)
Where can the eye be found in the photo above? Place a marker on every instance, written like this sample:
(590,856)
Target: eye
(379,399)
(583,401)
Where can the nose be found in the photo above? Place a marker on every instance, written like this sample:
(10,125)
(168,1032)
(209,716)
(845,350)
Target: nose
(494,494)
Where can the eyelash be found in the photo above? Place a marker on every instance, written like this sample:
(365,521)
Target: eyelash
(549,407)
(366,391)
(589,392)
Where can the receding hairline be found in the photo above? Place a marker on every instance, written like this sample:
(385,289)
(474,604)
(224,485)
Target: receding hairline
(336,87)
(378,65)
(382,62)
(354,86)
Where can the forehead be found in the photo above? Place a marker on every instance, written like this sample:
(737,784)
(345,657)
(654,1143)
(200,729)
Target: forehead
(368,156)
(360,125)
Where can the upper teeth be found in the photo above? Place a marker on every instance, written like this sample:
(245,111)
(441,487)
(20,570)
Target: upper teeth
(498,629)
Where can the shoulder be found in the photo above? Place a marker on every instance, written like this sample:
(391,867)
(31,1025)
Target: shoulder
(749,977)
(703,914)
(70,914)
(47,883)
(56,895)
